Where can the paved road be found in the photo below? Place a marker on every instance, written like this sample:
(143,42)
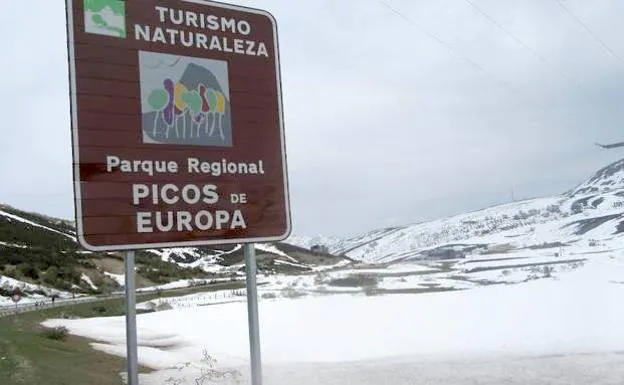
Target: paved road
(6,311)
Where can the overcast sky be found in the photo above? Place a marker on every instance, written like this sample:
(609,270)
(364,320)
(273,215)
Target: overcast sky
(390,119)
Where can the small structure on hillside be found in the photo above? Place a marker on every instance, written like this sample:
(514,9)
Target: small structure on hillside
(320,249)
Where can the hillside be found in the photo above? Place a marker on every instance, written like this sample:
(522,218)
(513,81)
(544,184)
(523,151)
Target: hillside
(589,215)
(41,254)
(40,250)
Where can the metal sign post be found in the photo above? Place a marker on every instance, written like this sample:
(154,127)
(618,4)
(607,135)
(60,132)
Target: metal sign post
(252,314)
(131,326)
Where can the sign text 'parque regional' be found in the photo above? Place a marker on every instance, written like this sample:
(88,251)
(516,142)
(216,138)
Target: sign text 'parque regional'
(177,124)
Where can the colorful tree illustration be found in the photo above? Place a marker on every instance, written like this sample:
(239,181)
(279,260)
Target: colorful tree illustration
(211,96)
(175,101)
(158,100)
(220,111)
(194,103)
(168,113)
(206,107)
(180,107)
(216,101)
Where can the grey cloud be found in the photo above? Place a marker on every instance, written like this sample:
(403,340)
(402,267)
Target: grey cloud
(384,124)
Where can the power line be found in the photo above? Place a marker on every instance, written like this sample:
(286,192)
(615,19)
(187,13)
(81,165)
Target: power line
(535,53)
(449,47)
(589,31)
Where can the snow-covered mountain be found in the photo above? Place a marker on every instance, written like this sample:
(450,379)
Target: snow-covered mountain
(606,180)
(592,213)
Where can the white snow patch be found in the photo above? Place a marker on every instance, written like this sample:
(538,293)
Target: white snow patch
(342,263)
(307,242)
(88,280)
(13,245)
(196,300)
(274,250)
(119,278)
(184,283)
(280,262)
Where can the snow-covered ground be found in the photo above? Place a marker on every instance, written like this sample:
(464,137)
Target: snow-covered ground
(208,263)
(561,330)
(184,283)
(513,267)
(399,268)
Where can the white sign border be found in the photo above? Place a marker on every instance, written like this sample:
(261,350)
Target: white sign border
(75,143)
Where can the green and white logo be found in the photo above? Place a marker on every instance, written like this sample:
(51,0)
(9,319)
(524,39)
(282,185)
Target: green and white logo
(105,17)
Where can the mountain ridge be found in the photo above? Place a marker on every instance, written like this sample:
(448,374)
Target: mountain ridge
(575,215)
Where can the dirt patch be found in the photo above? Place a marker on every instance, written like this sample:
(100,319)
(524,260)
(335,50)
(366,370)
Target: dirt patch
(111,265)
(114,266)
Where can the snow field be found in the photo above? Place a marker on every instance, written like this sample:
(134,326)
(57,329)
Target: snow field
(578,312)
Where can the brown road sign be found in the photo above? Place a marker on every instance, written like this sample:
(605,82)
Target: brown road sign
(177,124)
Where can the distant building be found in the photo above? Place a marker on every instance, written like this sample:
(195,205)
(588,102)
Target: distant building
(442,253)
(320,249)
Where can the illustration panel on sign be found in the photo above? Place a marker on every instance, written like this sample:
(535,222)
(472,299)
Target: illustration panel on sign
(105,17)
(185,100)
